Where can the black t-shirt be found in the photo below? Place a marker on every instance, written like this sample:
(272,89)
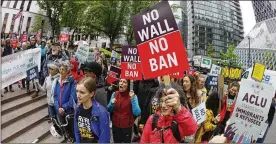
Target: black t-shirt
(84,125)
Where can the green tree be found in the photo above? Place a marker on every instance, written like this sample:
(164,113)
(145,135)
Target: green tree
(38,22)
(230,57)
(108,18)
(134,8)
(210,51)
(53,10)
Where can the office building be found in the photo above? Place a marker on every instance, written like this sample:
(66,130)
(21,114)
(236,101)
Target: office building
(213,22)
(264,9)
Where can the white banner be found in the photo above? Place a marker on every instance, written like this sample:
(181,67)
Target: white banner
(199,113)
(14,66)
(215,70)
(251,110)
(82,53)
(197,60)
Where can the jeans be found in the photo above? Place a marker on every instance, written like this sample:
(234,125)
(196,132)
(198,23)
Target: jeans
(51,111)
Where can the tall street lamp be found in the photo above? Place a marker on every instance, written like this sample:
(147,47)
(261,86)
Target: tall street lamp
(249,60)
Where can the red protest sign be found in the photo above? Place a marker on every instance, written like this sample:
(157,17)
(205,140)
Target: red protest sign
(14,41)
(178,75)
(24,37)
(64,34)
(159,41)
(113,74)
(130,63)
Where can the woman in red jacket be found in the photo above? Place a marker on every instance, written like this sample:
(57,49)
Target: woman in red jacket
(170,113)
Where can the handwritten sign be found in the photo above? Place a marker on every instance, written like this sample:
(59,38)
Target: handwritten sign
(159,41)
(15,66)
(199,113)
(32,73)
(258,72)
(215,70)
(251,110)
(82,53)
(231,73)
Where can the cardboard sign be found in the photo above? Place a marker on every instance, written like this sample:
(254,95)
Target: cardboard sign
(231,73)
(199,113)
(215,70)
(82,53)
(130,63)
(258,71)
(32,73)
(220,86)
(113,74)
(113,58)
(159,41)
(250,112)
(14,66)
(64,34)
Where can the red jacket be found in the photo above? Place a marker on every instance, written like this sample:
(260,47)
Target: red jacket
(122,115)
(224,107)
(186,124)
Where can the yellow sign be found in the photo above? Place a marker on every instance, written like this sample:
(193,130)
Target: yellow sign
(231,73)
(258,71)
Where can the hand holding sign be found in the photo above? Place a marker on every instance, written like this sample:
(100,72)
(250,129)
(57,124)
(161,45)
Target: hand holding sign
(172,99)
(113,100)
(131,94)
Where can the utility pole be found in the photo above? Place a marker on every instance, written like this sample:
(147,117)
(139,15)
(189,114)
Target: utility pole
(249,60)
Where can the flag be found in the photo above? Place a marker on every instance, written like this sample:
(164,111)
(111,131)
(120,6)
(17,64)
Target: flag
(19,14)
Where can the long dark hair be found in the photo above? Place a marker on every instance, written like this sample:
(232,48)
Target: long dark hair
(178,88)
(193,90)
(212,102)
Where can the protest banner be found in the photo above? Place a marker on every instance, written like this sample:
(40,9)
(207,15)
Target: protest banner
(15,66)
(113,57)
(32,73)
(199,113)
(206,62)
(250,112)
(113,75)
(197,60)
(231,73)
(258,71)
(159,41)
(24,37)
(215,70)
(82,53)
(64,34)
(90,57)
(189,72)
(178,75)
(130,63)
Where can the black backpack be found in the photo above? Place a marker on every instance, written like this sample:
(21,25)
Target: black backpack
(173,127)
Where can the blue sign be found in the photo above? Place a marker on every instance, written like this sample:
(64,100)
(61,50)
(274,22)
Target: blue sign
(212,81)
(32,73)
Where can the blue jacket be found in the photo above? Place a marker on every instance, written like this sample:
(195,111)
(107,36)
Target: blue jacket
(65,96)
(100,127)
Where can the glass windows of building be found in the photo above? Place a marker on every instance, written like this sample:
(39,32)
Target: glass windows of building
(29,5)
(28,23)
(5,22)
(15,3)
(12,23)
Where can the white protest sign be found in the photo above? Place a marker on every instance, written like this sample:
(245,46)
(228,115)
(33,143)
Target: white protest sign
(251,110)
(90,57)
(215,70)
(113,56)
(199,113)
(197,60)
(206,62)
(15,66)
(82,53)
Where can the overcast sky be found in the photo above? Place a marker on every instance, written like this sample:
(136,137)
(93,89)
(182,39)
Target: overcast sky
(247,16)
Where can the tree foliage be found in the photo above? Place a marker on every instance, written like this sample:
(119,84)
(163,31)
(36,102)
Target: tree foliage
(230,57)
(210,50)
(38,23)
(53,11)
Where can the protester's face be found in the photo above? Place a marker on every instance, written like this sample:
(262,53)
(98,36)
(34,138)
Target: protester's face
(165,110)
(53,71)
(233,91)
(32,41)
(123,85)
(83,94)
(43,44)
(186,83)
(8,42)
(63,71)
(54,50)
(200,83)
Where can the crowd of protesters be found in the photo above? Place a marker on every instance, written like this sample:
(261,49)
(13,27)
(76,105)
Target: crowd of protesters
(148,113)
